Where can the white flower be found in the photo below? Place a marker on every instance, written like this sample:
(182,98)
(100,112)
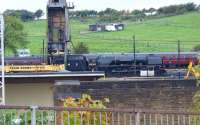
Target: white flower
(17,121)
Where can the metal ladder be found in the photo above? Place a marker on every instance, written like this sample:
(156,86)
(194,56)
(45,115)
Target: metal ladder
(2,79)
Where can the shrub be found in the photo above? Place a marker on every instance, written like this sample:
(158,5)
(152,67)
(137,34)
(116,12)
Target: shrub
(196,48)
(81,48)
(86,117)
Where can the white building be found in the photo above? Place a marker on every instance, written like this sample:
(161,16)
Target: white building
(151,13)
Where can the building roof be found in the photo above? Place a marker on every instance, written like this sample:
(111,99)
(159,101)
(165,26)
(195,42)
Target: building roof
(51,77)
(54,74)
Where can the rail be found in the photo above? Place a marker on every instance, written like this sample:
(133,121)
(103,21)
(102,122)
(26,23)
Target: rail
(25,115)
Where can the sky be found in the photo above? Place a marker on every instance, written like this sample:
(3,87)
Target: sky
(34,5)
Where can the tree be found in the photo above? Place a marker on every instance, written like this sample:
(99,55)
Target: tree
(136,12)
(25,15)
(81,48)
(139,15)
(12,13)
(151,10)
(14,34)
(190,6)
(83,13)
(39,13)
(196,48)
(177,9)
(110,15)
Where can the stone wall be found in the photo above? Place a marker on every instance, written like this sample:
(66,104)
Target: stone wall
(158,94)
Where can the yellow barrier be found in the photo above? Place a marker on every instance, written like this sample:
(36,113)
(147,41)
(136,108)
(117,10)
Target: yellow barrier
(33,68)
(192,70)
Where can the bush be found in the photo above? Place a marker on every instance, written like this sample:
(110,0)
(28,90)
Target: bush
(14,34)
(81,48)
(196,48)
(85,117)
(24,15)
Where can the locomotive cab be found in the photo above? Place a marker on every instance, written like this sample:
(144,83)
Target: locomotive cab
(77,63)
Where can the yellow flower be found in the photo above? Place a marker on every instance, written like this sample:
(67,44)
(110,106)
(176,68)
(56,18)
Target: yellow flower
(107,100)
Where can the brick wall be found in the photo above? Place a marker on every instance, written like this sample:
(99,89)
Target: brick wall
(159,94)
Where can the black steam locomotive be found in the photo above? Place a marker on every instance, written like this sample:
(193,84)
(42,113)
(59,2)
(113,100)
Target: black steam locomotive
(116,64)
(128,64)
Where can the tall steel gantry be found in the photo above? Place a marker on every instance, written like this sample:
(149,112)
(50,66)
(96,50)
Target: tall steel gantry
(2,79)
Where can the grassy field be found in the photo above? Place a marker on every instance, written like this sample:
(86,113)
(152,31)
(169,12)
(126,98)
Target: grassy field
(158,35)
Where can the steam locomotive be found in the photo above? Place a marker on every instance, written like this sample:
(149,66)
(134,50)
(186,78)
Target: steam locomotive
(128,64)
(124,64)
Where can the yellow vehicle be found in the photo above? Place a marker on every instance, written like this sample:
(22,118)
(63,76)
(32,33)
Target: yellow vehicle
(33,68)
(195,71)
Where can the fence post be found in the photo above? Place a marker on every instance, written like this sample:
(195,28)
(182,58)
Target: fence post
(33,114)
(137,117)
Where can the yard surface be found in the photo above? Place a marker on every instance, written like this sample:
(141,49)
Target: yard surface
(157,35)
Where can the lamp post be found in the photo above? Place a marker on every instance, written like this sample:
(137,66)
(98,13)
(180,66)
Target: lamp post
(134,52)
(178,60)
(2,84)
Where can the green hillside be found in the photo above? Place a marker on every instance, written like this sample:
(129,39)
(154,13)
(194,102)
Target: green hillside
(158,35)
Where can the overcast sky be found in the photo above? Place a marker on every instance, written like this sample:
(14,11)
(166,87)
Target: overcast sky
(33,5)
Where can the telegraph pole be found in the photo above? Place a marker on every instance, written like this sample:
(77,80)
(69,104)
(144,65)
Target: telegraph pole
(2,82)
(178,60)
(179,51)
(134,52)
(43,50)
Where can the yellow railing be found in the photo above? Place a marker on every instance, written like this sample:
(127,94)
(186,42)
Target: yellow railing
(193,71)
(33,68)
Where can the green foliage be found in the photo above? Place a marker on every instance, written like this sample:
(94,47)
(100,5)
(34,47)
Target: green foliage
(196,48)
(190,7)
(81,48)
(24,15)
(196,98)
(12,13)
(39,13)
(196,102)
(112,15)
(83,13)
(138,15)
(109,15)
(14,34)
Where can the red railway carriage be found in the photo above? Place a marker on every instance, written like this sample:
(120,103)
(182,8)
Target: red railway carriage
(175,61)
